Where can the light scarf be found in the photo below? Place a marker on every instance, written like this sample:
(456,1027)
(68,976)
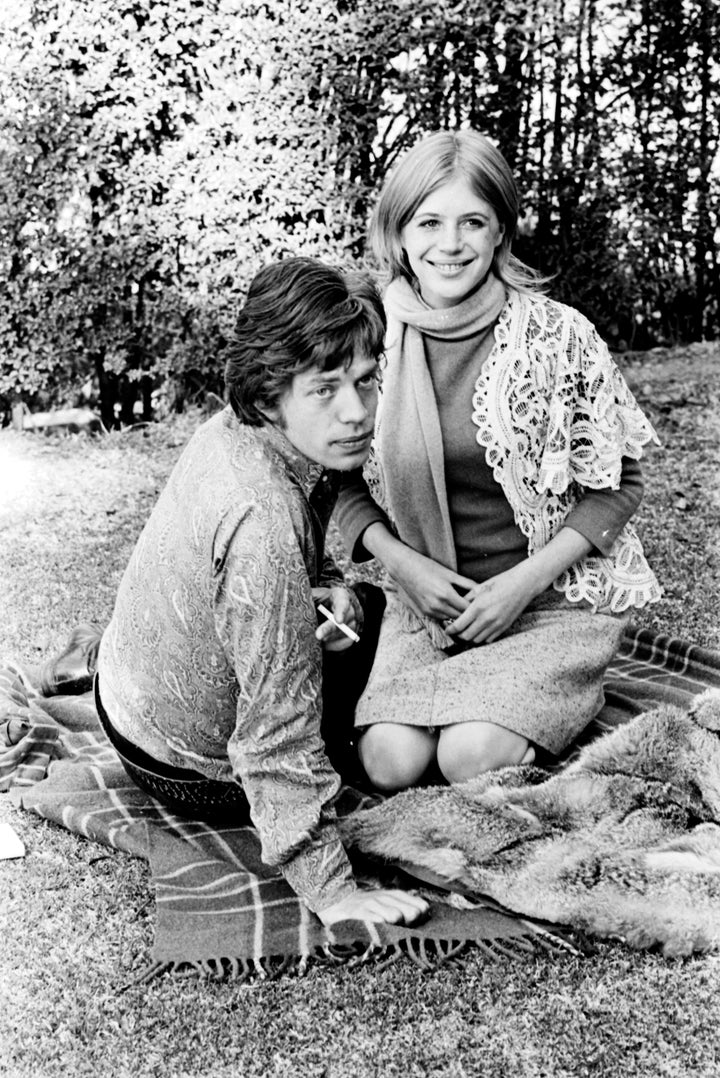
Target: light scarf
(554,415)
(414,488)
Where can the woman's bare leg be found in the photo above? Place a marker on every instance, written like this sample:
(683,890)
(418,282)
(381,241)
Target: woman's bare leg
(467,749)
(396,756)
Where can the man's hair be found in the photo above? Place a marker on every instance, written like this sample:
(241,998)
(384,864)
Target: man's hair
(298,314)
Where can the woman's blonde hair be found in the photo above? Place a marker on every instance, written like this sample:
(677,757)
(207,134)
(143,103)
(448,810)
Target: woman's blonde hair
(434,161)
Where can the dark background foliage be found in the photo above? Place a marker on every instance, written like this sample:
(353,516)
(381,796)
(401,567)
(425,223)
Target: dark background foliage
(155,153)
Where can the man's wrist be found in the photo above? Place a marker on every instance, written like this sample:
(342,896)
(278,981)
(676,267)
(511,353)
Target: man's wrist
(359,611)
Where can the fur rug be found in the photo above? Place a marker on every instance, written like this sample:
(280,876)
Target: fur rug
(622,843)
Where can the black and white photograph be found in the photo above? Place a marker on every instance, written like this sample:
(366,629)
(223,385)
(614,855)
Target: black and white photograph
(359,538)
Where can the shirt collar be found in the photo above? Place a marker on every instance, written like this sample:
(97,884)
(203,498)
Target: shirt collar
(307,472)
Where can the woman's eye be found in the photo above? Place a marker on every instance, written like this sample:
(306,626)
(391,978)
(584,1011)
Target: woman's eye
(473,222)
(430,223)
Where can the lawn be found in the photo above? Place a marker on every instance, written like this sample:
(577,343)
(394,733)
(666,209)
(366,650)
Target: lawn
(76,919)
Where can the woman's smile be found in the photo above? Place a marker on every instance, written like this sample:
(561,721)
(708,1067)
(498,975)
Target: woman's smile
(451,269)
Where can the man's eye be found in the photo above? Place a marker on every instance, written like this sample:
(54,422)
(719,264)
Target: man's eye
(368,380)
(323,392)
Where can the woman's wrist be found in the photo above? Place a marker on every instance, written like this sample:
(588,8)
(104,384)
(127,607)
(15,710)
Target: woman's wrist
(544,566)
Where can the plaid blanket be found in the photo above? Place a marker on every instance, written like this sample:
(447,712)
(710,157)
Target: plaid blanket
(219,908)
(650,669)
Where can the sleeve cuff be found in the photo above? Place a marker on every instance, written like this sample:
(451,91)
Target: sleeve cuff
(330,575)
(358,551)
(355,511)
(329,898)
(321,875)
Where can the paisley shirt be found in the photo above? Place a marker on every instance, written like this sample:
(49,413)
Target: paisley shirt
(210,660)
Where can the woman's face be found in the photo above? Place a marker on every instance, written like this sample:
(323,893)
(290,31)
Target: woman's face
(450,242)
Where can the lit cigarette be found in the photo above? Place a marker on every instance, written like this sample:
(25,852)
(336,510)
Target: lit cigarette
(341,625)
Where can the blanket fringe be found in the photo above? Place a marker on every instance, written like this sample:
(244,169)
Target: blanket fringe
(426,954)
(556,941)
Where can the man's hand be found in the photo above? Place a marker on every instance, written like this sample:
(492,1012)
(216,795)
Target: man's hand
(344,607)
(388,907)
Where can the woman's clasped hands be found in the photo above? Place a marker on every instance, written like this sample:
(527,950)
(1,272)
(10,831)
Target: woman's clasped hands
(473,612)
(493,606)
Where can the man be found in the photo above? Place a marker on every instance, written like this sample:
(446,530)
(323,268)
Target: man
(209,676)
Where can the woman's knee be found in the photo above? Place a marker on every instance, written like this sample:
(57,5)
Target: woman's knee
(468,749)
(396,756)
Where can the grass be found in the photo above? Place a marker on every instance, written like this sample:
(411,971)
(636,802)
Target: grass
(76,919)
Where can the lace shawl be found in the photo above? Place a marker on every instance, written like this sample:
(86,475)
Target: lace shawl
(553,413)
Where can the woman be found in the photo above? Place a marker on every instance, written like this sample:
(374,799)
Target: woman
(503,479)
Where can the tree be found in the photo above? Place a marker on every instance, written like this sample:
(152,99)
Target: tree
(103,101)
(154,153)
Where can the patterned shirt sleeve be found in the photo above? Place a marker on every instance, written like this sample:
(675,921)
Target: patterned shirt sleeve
(266,620)
(330,575)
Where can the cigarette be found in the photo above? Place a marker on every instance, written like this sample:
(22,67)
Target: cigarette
(340,624)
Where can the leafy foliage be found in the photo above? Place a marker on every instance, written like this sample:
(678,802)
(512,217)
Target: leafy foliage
(154,153)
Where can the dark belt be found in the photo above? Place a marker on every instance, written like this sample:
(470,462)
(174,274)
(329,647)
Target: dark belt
(183,790)
(137,756)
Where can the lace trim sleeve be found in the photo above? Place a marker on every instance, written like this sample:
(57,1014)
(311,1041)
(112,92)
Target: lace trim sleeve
(593,418)
(554,413)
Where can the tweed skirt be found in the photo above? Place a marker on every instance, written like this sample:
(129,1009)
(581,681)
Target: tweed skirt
(543,680)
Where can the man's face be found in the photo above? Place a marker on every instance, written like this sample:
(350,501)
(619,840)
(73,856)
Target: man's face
(329,415)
